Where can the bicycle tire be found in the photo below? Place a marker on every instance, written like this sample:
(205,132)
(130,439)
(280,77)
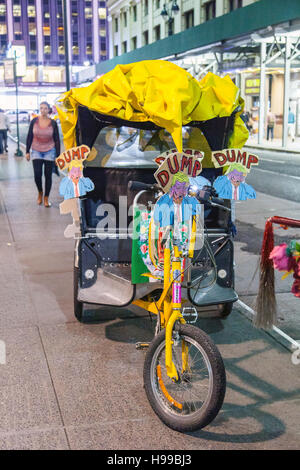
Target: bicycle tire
(154,389)
(78,306)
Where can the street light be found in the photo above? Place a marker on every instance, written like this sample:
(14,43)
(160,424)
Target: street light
(167,13)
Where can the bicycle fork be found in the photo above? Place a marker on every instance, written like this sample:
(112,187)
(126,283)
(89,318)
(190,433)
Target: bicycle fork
(172,310)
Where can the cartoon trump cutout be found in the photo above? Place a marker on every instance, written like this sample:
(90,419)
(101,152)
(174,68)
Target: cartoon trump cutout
(75,184)
(232,185)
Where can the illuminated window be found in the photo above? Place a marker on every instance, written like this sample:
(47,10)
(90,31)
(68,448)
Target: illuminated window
(102,13)
(89,49)
(31,11)
(3,28)
(75,50)
(46,30)
(2,10)
(88,13)
(32,29)
(102,33)
(61,49)
(17,10)
(60,31)
(47,49)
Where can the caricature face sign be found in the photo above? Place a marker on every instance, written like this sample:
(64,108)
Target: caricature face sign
(232,184)
(229,156)
(172,162)
(76,153)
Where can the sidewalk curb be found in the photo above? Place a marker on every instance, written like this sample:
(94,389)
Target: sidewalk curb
(273,149)
(280,337)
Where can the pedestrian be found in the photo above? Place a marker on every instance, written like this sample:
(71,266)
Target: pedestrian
(43,140)
(250,124)
(270,124)
(291,124)
(4,127)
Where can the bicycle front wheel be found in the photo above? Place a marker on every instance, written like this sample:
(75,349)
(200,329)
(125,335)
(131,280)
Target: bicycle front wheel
(195,399)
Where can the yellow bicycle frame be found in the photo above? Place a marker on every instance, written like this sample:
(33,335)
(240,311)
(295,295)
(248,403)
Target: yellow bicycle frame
(170,311)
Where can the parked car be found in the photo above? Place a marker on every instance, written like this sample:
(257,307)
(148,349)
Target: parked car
(23,116)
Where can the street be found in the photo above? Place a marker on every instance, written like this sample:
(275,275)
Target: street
(278,174)
(70,385)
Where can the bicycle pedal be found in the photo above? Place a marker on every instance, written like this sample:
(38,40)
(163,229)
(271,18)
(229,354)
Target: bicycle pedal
(190,314)
(139,345)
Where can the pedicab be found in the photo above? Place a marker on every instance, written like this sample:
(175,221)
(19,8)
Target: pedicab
(149,145)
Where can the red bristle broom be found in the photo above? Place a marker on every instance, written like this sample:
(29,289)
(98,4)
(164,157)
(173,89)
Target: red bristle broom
(266,312)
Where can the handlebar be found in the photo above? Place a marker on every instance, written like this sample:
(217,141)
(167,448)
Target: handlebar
(140,186)
(203,196)
(207,197)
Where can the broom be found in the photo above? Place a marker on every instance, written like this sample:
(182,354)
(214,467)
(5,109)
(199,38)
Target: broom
(266,311)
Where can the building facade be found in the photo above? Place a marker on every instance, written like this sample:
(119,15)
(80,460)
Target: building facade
(141,22)
(39,25)
(255,42)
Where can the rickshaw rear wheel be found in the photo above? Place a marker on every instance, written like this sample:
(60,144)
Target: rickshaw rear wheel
(78,306)
(194,400)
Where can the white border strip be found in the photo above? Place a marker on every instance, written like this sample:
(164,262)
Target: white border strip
(277,330)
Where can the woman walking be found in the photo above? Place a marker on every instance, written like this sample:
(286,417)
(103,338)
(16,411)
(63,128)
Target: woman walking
(43,140)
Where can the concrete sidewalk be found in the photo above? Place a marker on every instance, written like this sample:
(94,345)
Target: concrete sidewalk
(251,217)
(274,145)
(67,385)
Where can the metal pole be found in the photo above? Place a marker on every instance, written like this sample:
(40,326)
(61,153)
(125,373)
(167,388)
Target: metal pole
(19,152)
(286,98)
(66,41)
(170,24)
(261,124)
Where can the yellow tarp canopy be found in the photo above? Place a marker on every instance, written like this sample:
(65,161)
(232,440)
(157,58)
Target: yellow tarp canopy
(157,91)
